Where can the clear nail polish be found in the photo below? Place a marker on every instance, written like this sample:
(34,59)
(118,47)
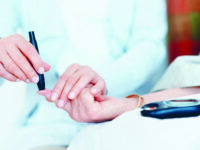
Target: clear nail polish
(41,70)
(35,79)
(71,95)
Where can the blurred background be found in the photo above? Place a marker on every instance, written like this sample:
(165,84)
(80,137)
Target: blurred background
(184,28)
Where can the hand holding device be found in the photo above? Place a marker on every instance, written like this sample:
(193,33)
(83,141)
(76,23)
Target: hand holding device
(16,54)
(41,82)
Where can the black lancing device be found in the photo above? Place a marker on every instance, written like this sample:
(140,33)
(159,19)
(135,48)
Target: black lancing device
(41,83)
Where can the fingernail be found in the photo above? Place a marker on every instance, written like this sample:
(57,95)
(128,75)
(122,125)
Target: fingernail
(71,95)
(41,70)
(54,96)
(94,91)
(27,81)
(61,103)
(35,79)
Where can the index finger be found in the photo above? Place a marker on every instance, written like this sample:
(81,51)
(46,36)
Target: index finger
(30,52)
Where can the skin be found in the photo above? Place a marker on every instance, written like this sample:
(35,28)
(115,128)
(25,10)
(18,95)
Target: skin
(80,90)
(86,108)
(74,80)
(16,57)
(20,61)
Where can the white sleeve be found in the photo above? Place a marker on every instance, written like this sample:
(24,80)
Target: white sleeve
(145,60)
(9,18)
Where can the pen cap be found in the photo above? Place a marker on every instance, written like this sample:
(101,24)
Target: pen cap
(33,40)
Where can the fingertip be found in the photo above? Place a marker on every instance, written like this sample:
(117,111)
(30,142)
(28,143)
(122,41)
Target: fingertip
(48,98)
(41,92)
(47,67)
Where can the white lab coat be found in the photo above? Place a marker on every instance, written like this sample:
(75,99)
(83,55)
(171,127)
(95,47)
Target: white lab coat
(124,41)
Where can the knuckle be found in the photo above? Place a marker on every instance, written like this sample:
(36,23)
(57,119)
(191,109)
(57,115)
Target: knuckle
(18,37)
(75,65)
(4,43)
(86,68)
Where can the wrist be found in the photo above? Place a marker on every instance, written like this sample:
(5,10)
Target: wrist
(130,104)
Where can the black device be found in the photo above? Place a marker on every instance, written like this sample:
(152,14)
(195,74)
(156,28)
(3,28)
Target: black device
(172,109)
(41,83)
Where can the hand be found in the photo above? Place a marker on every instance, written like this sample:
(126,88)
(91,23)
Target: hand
(74,80)
(86,109)
(16,54)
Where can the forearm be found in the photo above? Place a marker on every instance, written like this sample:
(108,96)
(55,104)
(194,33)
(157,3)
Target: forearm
(170,93)
(131,103)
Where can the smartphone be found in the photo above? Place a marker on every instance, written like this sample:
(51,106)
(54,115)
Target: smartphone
(172,109)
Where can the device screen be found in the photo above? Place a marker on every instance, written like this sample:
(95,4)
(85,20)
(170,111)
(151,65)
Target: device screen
(171,103)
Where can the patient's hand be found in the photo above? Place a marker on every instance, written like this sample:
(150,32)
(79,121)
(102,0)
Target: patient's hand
(86,109)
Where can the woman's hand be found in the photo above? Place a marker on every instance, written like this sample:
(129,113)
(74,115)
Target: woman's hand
(86,109)
(16,57)
(74,80)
